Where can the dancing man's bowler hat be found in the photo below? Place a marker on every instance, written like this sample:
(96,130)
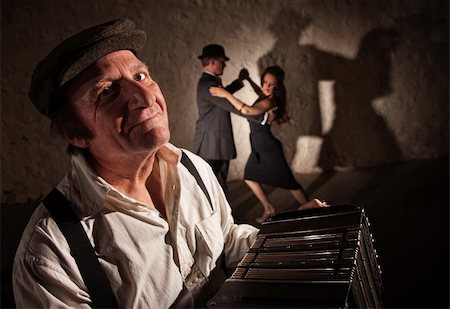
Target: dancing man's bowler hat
(75,54)
(213,50)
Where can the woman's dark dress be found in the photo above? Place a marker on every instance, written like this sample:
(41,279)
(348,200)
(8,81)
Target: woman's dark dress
(267,163)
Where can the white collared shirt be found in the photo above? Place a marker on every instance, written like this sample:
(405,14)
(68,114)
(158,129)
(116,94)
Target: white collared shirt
(146,258)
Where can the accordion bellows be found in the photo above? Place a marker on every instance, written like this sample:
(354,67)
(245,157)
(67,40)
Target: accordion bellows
(312,258)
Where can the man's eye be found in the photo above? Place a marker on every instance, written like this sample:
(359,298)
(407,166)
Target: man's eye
(106,91)
(140,76)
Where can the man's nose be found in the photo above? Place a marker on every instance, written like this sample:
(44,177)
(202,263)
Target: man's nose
(138,95)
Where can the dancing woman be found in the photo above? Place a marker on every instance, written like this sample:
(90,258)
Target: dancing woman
(267,163)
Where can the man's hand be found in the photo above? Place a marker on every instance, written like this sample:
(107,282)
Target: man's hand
(243,74)
(314,203)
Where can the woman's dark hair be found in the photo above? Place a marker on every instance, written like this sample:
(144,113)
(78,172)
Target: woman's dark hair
(279,92)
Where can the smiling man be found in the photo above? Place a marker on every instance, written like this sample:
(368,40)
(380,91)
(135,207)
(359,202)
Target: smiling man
(154,217)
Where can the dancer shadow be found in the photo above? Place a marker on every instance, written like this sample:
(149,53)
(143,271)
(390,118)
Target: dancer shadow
(359,136)
(350,131)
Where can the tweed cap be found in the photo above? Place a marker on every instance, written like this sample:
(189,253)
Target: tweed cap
(75,54)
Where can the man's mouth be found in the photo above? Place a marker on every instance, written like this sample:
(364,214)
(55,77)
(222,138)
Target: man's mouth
(129,125)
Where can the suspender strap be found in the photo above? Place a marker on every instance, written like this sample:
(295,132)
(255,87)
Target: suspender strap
(190,166)
(81,249)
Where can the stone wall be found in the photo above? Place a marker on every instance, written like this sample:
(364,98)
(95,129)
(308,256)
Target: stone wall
(367,80)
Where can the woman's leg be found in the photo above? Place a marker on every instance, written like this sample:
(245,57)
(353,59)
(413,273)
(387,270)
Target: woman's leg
(258,191)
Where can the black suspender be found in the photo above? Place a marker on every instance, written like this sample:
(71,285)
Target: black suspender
(81,249)
(190,166)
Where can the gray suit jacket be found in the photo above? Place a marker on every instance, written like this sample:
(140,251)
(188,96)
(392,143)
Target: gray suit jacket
(213,138)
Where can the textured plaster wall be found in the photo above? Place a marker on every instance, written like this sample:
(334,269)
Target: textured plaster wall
(367,80)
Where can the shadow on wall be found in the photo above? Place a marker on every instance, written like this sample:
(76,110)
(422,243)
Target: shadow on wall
(357,135)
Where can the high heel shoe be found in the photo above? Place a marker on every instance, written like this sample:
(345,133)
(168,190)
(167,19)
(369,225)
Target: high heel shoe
(266,215)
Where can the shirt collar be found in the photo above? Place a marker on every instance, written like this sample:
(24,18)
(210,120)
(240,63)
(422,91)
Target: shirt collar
(209,73)
(88,192)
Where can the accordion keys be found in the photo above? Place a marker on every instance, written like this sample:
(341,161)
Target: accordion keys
(321,257)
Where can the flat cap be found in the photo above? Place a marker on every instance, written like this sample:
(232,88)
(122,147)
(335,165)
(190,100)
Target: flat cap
(75,54)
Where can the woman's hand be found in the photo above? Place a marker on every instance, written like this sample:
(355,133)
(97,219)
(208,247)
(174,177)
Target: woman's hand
(218,92)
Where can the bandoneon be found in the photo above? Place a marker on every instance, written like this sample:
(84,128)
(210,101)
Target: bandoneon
(321,257)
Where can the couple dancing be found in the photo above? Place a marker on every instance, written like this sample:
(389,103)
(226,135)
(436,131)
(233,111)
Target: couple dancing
(267,163)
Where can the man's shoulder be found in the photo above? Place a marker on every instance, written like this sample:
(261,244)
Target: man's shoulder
(206,78)
(40,234)
(200,164)
(196,159)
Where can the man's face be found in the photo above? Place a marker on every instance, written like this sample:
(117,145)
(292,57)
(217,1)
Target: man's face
(122,105)
(219,65)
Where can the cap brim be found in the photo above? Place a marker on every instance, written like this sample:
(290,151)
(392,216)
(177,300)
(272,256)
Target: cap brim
(133,40)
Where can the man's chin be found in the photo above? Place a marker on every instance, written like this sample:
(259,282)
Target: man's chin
(155,137)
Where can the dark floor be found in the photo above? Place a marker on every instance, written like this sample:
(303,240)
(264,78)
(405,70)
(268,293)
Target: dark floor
(407,205)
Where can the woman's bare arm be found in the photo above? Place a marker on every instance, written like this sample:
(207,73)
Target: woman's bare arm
(255,87)
(265,105)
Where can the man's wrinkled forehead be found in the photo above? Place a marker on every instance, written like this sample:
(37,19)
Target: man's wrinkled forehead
(106,69)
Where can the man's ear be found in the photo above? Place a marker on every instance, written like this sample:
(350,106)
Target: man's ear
(79,142)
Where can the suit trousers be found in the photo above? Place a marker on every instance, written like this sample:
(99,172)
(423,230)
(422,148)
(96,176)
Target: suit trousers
(220,169)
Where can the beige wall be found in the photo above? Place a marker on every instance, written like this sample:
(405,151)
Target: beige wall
(359,95)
